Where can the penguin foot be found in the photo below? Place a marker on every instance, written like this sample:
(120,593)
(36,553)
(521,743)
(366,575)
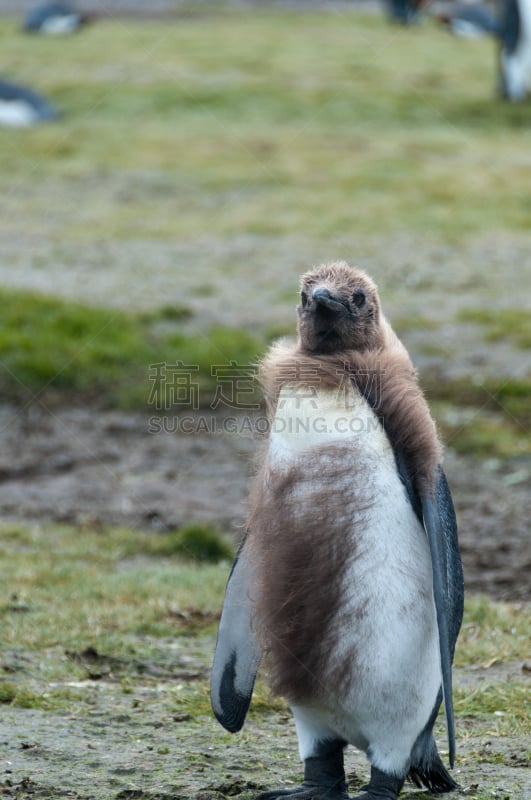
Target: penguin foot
(381,787)
(306,792)
(324,776)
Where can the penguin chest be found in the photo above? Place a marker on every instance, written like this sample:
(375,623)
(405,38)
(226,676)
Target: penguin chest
(345,565)
(308,420)
(330,439)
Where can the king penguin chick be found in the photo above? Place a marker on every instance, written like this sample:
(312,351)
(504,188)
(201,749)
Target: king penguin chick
(348,585)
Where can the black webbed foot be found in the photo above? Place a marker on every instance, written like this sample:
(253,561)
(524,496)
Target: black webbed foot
(306,792)
(324,777)
(381,787)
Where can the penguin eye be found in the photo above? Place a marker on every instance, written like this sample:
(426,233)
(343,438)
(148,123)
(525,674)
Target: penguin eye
(358,298)
(304,298)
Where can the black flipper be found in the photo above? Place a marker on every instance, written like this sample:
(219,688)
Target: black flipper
(454,569)
(441,529)
(237,654)
(436,512)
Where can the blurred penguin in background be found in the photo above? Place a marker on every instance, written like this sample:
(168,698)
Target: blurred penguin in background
(54,19)
(469,20)
(21,107)
(515,50)
(511,27)
(404,12)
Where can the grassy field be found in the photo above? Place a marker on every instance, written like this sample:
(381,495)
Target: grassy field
(114,628)
(209,159)
(267,123)
(111,585)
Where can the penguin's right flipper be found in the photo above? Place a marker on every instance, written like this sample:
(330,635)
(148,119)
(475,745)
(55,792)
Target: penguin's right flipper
(237,655)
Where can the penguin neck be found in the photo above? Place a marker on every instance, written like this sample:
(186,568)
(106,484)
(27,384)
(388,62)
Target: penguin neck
(308,418)
(386,381)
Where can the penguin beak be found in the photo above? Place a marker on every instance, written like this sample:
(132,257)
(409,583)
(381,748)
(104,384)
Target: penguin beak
(323,297)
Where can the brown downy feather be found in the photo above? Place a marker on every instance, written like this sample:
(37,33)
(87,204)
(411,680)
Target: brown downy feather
(385,377)
(300,513)
(297,515)
(363,349)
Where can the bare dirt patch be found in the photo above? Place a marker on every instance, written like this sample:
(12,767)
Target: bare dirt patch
(99,468)
(133,744)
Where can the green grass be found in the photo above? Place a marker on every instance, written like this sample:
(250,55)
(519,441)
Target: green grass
(505,396)
(478,432)
(224,125)
(475,431)
(110,356)
(229,123)
(492,632)
(105,624)
(510,324)
(195,542)
(502,699)
(86,587)
(80,597)
(67,352)
(56,699)
(416,322)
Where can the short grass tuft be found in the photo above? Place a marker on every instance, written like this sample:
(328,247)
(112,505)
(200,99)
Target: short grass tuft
(481,434)
(200,542)
(505,701)
(195,541)
(8,692)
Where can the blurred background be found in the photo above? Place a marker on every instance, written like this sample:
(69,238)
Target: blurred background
(168,171)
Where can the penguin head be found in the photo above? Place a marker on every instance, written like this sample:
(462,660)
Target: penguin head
(339,310)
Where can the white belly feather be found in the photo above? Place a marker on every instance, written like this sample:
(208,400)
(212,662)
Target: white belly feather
(386,591)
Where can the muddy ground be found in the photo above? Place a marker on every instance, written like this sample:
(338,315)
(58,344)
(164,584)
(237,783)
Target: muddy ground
(89,468)
(134,745)
(99,468)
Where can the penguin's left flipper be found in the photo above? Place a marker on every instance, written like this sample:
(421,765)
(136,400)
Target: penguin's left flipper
(237,654)
(440,524)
